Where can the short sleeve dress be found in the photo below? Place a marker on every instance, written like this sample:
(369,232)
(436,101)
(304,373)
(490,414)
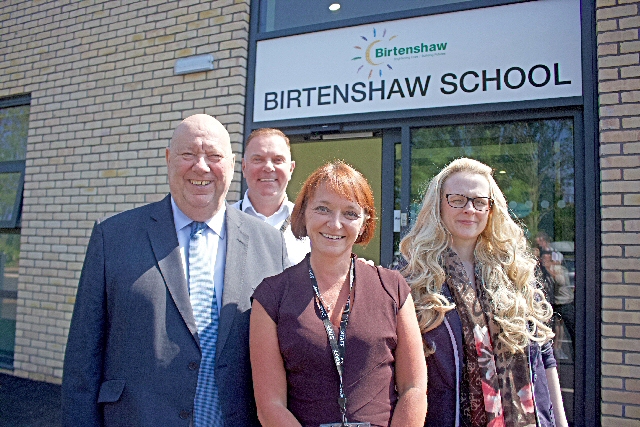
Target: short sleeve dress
(369,365)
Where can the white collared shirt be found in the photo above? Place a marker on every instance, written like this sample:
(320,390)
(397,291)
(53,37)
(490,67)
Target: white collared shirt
(215,238)
(296,249)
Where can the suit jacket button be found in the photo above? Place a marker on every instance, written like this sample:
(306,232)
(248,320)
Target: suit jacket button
(184,414)
(193,366)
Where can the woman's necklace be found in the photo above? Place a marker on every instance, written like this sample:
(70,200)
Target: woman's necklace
(320,297)
(325,303)
(328,292)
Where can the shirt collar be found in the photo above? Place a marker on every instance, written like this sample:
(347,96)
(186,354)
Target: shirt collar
(216,223)
(284,207)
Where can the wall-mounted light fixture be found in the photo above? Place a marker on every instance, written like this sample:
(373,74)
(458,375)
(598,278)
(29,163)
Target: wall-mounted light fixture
(334,7)
(193,64)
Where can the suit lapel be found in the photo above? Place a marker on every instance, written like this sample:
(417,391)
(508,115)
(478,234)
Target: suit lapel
(166,249)
(234,283)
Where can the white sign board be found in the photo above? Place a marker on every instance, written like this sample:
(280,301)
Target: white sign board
(516,52)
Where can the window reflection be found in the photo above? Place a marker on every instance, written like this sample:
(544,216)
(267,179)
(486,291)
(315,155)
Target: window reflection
(14,129)
(9,192)
(285,14)
(9,256)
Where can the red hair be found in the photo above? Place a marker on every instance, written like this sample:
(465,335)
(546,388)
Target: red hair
(345,181)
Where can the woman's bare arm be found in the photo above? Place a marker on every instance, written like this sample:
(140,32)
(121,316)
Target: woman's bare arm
(267,367)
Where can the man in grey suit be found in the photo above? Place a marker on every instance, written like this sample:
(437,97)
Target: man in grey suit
(134,352)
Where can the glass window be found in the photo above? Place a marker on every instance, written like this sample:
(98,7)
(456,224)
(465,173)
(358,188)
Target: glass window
(9,256)
(14,129)
(10,192)
(285,14)
(534,166)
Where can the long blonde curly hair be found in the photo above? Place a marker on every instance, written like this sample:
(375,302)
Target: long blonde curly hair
(507,265)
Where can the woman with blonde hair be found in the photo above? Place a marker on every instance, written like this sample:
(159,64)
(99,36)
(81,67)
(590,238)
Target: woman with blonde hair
(482,315)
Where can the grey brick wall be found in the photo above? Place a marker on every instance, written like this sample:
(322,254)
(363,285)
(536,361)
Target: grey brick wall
(104,101)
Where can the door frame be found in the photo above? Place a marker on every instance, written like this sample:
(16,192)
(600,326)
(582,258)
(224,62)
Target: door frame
(586,405)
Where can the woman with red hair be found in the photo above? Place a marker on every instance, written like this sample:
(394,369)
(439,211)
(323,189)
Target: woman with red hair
(335,342)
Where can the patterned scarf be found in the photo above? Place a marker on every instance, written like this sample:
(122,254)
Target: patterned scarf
(496,386)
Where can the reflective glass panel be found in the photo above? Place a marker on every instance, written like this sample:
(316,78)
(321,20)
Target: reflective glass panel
(533,164)
(9,192)
(9,256)
(284,14)
(14,130)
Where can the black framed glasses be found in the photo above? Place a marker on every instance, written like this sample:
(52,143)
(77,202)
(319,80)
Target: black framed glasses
(459,201)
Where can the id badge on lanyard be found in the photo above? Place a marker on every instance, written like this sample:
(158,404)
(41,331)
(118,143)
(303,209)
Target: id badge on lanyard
(346,425)
(338,345)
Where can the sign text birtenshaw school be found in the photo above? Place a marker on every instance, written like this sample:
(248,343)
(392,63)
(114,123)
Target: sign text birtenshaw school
(517,52)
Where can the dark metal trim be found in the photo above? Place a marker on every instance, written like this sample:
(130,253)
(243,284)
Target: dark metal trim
(389,138)
(254,13)
(8,294)
(588,223)
(373,19)
(439,120)
(405,179)
(15,101)
(337,120)
(12,166)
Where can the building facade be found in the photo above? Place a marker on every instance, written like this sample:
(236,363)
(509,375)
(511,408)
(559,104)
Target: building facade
(618,26)
(90,92)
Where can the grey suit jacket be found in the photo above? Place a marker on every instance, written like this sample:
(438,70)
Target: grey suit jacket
(133,354)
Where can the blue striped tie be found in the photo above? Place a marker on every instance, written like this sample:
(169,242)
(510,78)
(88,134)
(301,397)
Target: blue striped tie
(207,411)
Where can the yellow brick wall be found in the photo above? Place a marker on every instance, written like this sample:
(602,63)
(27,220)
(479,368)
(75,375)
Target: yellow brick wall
(104,101)
(618,25)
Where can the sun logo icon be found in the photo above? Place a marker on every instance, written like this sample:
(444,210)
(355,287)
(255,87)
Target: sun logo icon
(369,62)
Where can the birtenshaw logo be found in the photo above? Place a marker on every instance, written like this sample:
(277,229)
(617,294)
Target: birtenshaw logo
(380,50)
(410,50)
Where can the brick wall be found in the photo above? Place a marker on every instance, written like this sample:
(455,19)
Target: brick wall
(104,101)
(618,24)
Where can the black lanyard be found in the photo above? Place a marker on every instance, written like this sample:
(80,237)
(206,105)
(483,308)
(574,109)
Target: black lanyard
(337,346)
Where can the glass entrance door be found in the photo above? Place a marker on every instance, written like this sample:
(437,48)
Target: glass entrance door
(533,162)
